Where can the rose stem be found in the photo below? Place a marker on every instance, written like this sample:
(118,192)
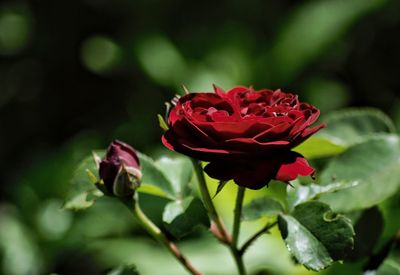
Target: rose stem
(236,230)
(263,230)
(208,201)
(156,233)
(217,220)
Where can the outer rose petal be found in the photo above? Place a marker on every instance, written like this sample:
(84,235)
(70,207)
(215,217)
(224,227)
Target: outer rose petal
(291,171)
(255,173)
(108,171)
(306,134)
(191,148)
(250,174)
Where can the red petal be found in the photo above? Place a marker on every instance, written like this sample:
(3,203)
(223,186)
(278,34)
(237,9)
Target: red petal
(290,171)
(253,146)
(219,91)
(274,133)
(251,174)
(306,134)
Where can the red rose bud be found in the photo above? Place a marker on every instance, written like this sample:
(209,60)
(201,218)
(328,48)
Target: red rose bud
(120,169)
(245,135)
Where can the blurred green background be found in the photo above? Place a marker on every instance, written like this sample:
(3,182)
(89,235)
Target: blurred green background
(76,74)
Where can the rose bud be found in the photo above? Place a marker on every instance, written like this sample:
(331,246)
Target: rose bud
(245,135)
(120,169)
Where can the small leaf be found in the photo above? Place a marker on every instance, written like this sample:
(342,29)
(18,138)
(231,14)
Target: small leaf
(303,245)
(260,207)
(315,235)
(180,217)
(82,201)
(220,186)
(162,123)
(302,193)
(83,191)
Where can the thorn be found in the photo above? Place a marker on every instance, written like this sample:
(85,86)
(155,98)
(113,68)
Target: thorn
(288,183)
(221,185)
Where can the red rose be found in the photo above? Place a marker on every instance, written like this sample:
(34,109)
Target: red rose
(246,135)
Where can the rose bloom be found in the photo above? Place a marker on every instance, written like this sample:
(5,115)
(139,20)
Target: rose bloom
(245,135)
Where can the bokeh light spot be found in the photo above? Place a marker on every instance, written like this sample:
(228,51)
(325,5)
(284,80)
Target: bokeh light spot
(327,94)
(15,32)
(52,221)
(100,54)
(161,60)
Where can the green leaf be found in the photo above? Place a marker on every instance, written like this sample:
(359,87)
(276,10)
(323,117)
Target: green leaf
(345,128)
(302,193)
(166,177)
(169,178)
(181,217)
(375,164)
(351,126)
(315,235)
(154,181)
(260,207)
(83,191)
(179,172)
(319,147)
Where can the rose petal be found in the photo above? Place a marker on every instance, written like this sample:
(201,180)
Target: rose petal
(233,92)
(228,130)
(290,171)
(185,144)
(250,174)
(186,130)
(219,91)
(108,171)
(274,133)
(166,143)
(306,134)
(255,147)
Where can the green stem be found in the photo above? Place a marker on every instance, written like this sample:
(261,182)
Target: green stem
(222,233)
(237,215)
(263,230)
(157,234)
(236,230)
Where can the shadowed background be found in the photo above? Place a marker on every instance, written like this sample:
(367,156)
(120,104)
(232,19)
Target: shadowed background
(76,74)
